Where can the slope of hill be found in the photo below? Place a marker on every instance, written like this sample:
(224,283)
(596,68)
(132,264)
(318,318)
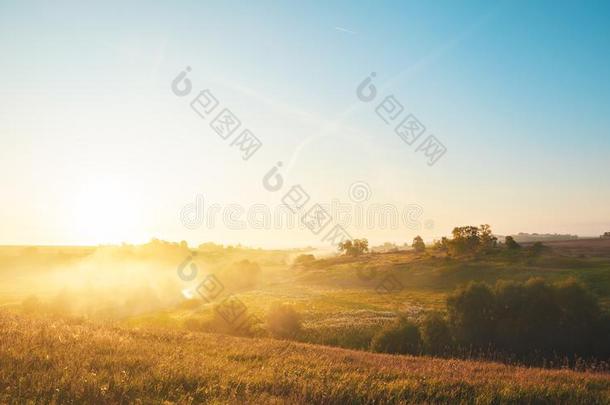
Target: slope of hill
(63,361)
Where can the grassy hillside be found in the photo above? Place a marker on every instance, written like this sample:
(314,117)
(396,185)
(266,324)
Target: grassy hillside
(62,361)
(337,297)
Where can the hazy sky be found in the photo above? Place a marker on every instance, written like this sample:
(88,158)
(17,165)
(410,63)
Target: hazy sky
(95,147)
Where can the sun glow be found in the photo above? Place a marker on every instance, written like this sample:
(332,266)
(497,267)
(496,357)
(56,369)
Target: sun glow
(104,211)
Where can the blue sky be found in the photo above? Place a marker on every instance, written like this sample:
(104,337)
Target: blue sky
(518,92)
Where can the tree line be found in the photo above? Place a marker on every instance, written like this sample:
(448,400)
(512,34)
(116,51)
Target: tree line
(530,321)
(465,240)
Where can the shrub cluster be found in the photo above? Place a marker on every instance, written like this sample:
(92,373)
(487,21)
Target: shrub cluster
(283,322)
(304,260)
(529,321)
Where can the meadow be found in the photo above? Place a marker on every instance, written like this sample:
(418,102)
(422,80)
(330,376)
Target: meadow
(117,324)
(46,360)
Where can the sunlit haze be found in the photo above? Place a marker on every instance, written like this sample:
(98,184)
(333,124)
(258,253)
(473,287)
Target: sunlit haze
(96,147)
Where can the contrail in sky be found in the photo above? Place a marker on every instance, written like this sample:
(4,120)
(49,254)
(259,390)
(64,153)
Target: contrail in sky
(345,30)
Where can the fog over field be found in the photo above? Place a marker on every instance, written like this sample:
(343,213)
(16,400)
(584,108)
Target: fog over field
(269,202)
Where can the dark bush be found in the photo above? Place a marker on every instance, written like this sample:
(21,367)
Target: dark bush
(511,243)
(537,249)
(223,321)
(435,334)
(511,304)
(283,322)
(530,320)
(601,347)
(580,318)
(400,337)
(471,314)
(304,259)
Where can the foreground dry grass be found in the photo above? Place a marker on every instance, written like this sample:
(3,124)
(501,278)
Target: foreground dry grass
(60,361)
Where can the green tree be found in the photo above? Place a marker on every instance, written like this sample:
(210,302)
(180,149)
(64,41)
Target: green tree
(466,239)
(354,248)
(511,243)
(442,245)
(488,240)
(418,244)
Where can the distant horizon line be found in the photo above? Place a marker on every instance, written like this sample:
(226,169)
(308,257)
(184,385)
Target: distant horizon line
(247,246)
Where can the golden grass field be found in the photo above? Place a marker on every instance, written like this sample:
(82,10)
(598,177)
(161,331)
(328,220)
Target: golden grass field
(113,327)
(74,361)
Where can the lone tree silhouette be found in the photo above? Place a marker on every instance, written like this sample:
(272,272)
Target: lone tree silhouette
(418,244)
